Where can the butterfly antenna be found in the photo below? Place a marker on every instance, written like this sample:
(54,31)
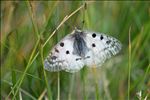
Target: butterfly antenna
(83,21)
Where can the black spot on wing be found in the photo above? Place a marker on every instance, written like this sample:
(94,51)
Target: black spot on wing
(93,45)
(93,35)
(61,44)
(67,52)
(101,37)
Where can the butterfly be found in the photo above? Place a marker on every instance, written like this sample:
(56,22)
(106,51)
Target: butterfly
(81,48)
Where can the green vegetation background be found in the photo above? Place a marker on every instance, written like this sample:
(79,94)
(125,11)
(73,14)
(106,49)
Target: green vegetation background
(25,26)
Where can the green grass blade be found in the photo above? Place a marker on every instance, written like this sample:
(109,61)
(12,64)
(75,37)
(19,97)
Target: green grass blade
(129,64)
(45,76)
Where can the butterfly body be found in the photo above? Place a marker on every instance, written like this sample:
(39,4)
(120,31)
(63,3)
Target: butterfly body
(81,48)
(79,44)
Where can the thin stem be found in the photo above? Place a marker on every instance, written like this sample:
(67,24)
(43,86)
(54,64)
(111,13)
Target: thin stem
(72,77)
(42,95)
(58,86)
(32,18)
(105,84)
(45,76)
(27,94)
(146,73)
(129,66)
(96,83)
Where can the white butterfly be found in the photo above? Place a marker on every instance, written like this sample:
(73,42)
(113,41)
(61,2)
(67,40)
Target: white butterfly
(81,48)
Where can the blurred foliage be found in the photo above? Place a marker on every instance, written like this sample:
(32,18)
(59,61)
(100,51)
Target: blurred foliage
(110,82)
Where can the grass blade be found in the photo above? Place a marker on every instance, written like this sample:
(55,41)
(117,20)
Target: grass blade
(45,76)
(129,64)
